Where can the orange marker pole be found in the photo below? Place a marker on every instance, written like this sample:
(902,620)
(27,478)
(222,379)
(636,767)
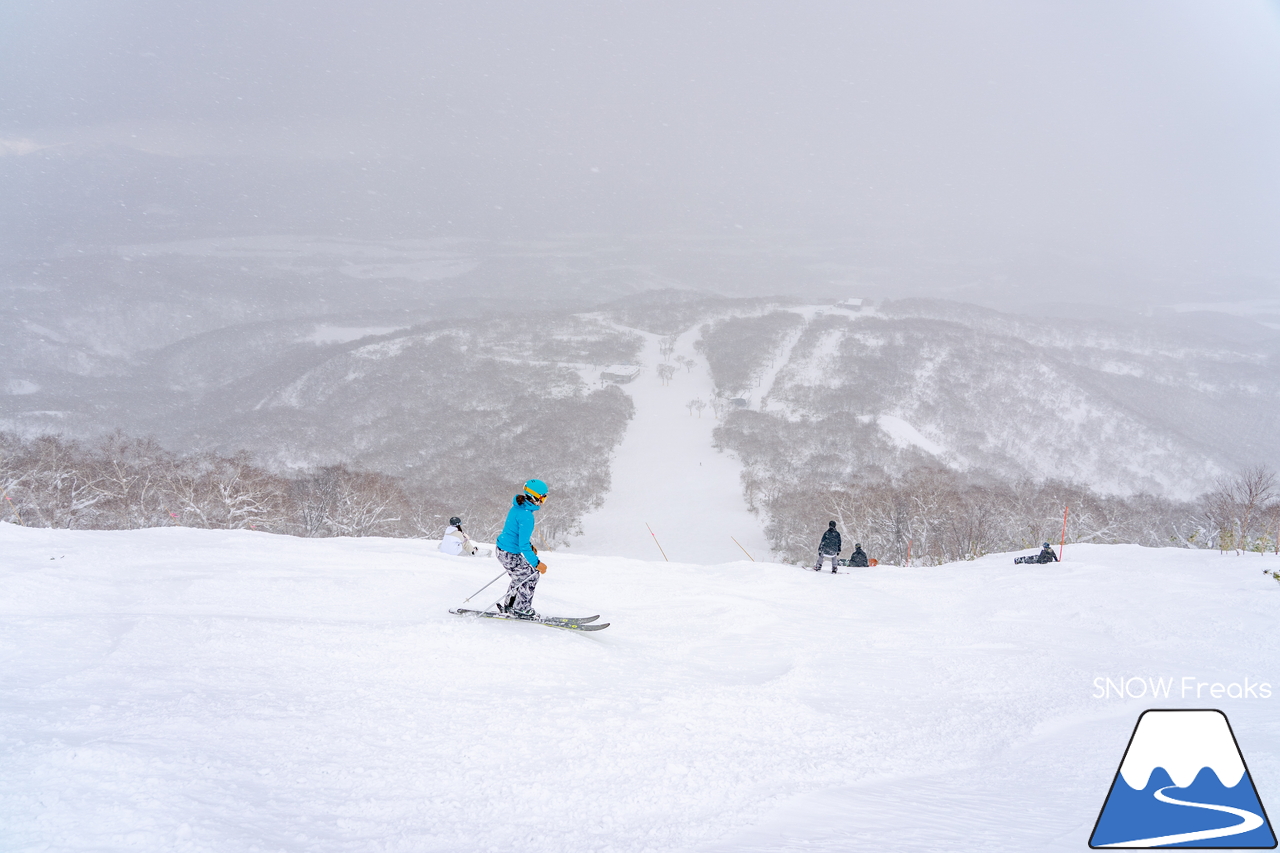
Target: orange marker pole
(16,514)
(1062,546)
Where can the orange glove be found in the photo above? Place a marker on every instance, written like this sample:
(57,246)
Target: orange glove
(541,567)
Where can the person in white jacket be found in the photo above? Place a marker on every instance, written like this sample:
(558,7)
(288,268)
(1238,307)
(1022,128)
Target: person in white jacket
(456,542)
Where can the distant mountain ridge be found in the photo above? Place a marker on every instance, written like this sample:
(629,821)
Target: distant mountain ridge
(254,344)
(1146,407)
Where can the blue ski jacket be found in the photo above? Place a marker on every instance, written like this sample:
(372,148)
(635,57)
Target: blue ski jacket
(514,538)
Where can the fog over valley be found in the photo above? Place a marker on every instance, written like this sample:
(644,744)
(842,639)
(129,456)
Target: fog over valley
(995,152)
(1007,243)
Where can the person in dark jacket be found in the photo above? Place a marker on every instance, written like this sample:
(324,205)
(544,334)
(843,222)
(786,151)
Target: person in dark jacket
(828,548)
(1046,555)
(858,558)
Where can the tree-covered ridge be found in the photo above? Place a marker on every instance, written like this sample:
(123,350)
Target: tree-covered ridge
(738,349)
(461,411)
(959,429)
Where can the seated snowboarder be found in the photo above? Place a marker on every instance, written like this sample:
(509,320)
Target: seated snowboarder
(455,541)
(828,548)
(1046,555)
(517,554)
(859,557)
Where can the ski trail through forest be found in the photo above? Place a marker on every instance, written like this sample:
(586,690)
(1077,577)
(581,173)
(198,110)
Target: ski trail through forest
(667,474)
(782,357)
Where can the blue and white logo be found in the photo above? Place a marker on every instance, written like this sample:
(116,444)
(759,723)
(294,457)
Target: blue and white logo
(1183,783)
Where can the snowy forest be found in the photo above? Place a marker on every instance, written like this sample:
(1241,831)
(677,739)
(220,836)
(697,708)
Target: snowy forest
(411,426)
(924,429)
(117,483)
(940,516)
(949,432)
(937,514)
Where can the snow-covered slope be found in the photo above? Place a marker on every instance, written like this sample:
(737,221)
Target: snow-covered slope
(185,690)
(668,478)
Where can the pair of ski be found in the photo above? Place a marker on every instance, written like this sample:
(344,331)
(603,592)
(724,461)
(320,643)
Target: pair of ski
(564,623)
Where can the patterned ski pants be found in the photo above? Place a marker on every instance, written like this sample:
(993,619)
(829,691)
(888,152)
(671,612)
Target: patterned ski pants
(834,558)
(524,578)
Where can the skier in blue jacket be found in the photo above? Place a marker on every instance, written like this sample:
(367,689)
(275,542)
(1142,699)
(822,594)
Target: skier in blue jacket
(517,554)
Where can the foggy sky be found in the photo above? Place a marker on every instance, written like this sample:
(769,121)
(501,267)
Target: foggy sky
(1135,143)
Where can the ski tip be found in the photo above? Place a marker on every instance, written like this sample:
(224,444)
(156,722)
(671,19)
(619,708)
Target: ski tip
(474,614)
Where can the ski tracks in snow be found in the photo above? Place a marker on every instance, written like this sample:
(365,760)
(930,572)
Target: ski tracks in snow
(275,693)
(667,474)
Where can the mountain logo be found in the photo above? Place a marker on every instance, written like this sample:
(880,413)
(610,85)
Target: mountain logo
(1183,783)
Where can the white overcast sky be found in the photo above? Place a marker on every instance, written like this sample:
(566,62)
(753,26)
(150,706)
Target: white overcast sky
(1133,135)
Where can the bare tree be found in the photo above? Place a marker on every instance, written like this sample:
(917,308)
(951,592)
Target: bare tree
(127,473)
(1239,510)
(60,484)
(12,475)
(339,502)
(368,504)
(665,372)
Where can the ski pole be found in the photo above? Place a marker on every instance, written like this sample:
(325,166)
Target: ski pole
(483,588)
(495,601)
(656,542)
(744,550)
